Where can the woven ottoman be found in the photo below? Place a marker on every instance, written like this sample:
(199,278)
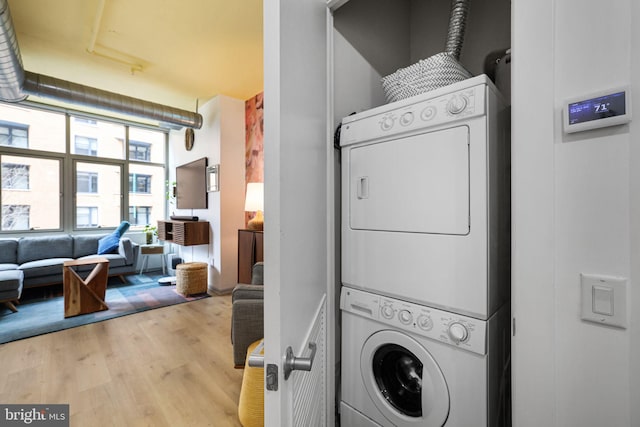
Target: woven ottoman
(191,278)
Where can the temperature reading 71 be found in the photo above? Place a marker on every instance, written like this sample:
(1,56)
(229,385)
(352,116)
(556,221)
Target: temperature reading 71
(602,107)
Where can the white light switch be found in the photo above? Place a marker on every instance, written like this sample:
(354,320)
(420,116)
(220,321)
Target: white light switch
(604,299)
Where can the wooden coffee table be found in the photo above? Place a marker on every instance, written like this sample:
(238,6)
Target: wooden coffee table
(82,296)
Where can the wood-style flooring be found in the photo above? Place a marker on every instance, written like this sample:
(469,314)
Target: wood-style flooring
(170,366)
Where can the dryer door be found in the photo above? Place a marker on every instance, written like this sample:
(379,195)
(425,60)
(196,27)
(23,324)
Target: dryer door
(404,381)
(416,184)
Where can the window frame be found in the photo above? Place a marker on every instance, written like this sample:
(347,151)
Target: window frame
(67,170)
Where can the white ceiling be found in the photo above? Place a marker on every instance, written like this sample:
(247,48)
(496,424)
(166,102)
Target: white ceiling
(173,52)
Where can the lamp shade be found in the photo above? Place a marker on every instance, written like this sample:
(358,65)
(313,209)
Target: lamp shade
(254,200)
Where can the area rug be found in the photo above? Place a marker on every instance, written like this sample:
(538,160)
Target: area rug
(41,310)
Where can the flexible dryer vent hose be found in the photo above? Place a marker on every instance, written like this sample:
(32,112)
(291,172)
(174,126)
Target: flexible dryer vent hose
(457,26)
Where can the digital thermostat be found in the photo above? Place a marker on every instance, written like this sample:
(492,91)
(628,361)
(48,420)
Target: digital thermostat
(597,110)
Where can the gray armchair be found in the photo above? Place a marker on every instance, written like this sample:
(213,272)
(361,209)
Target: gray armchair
(247,321)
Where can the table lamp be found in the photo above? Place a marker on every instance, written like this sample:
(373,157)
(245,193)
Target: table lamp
(254,202)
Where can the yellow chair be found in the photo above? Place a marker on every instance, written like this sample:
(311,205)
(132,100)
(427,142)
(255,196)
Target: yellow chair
(251,404)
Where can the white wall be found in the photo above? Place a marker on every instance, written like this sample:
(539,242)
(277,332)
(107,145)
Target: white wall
(221,139)
(574,202)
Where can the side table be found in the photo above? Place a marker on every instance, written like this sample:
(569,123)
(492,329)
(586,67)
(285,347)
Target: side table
(82,296)
(146,250)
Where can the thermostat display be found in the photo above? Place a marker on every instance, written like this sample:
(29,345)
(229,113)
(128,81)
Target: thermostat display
(598,110)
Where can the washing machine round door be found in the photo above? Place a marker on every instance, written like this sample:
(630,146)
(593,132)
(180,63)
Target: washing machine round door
(403,380)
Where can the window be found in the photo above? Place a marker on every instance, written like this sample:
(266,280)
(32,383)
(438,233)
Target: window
(140,151)
(140,215)
(139,183)
(85,145)
(15,217)
(107,178)
(86,121)
(15,176)
(87,182)
(39,148)
(14,134)
(31,187)
(86,216)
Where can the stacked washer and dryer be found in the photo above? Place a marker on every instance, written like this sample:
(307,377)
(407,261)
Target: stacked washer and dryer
(426,260)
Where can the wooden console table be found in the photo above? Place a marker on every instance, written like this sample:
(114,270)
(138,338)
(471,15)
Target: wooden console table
(83,296)
(250,251)
(184,233)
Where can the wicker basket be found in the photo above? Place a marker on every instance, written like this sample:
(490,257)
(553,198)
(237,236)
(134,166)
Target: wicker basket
(426,75)
(191,278)
(439,70)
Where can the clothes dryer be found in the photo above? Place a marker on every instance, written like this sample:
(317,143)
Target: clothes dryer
(408,365)
(425,196)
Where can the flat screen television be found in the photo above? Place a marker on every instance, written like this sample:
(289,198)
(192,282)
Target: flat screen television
(191,185)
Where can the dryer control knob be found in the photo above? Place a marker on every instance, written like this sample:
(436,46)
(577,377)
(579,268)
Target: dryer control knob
(458,332)
(386,123)
(457,104)
(425,323)
(406,119)
(387,311)
(405,317)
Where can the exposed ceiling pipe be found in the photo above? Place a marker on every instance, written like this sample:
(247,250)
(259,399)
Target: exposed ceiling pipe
(16,84)
(11,70)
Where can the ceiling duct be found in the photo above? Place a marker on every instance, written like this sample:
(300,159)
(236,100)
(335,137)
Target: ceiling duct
(16,84)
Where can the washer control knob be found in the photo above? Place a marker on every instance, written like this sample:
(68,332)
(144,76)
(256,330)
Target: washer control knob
(457,104)
(424,322)
(405,317)
(458,332)
(387,311)
(406,119)
(386,123)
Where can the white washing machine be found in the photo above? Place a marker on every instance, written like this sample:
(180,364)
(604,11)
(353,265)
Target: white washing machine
(426,199)
(408,365)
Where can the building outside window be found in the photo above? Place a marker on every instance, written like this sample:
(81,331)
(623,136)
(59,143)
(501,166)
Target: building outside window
(140,215)
(86,216)
(140,151)
(14,134)
(139,183)
(87,182)
(15,176)
(15,217)
(85,145)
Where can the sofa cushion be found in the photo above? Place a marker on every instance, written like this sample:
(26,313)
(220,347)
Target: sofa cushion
(43,267)
(108,244)
(37,248)
(8,251)
(8,266)
(86,244)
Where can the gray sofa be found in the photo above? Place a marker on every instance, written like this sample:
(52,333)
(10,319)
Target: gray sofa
(40,258)
(247,314)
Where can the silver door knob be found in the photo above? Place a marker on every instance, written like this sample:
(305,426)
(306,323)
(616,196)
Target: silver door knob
(293,363)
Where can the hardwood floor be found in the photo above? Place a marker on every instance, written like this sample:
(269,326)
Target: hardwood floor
(170,366)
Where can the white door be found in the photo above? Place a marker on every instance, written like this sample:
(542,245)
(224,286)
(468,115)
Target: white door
(297,222)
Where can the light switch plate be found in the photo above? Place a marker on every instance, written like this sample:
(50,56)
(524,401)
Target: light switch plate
(602,295)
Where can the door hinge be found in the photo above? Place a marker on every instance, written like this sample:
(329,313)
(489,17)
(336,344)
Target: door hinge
(271,382)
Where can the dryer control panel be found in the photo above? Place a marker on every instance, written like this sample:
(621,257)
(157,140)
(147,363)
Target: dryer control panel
(450,328)
(414,115)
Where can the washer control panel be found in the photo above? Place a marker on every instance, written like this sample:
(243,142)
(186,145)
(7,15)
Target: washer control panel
(413,115)
(449,328)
